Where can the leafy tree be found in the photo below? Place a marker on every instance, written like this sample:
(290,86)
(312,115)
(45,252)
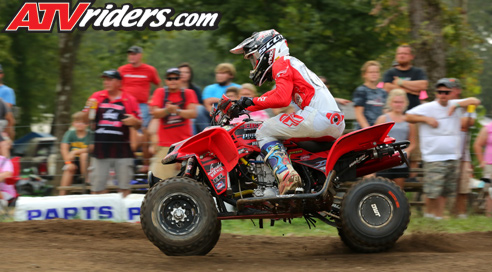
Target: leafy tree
(334,38)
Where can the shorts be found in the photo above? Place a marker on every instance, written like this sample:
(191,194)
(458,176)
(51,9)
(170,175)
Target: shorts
(123,169)
(146,117)
(487,171)
(464,178)
(440,178)
(162,171)
(401,172)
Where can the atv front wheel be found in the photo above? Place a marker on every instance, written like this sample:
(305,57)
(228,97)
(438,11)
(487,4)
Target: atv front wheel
(179,216)
(373,215)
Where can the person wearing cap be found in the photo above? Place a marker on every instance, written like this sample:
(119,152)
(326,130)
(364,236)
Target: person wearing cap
(116,113)
(439,124)
(136,79)
(466,170)
(406,76)
(6,93)
(173,106)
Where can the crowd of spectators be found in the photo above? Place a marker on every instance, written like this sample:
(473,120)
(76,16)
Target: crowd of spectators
(125,117)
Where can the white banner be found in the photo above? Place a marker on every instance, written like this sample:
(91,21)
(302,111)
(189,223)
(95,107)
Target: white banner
(111,207)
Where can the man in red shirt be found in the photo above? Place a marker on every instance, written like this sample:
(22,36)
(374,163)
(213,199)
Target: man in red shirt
(174,107)
(136,79)
(116,113)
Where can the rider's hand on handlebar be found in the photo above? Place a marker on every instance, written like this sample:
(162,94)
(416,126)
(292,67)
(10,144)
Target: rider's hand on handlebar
(245,102)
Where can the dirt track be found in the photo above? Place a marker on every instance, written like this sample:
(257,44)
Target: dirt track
(61,245)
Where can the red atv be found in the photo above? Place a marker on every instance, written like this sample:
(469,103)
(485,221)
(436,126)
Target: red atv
(223,176)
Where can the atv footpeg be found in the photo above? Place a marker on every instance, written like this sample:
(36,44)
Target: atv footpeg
(290,203)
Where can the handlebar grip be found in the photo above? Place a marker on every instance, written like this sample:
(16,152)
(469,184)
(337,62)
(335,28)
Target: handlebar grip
(248,103)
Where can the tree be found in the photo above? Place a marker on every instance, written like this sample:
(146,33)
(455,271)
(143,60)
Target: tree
(426,31)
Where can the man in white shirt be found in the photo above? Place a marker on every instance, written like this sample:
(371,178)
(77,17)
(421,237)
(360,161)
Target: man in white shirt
(440,143)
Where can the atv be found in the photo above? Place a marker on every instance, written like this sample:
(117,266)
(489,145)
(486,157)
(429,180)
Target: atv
(224,177)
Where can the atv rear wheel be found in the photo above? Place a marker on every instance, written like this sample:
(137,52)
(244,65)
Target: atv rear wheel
(179,216)
(373,215)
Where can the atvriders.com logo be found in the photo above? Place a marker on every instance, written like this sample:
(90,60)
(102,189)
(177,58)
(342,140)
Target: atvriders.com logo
(40,16)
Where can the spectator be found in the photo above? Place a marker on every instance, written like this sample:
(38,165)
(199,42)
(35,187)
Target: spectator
(173,106)
(136,79)
(484,140)
(6,93)
(7,191)
(466,169)
(224,74)
(440,123)
(186,78)
(232,93)
(397,103)
(411,79)
(406,76)
(369,99)
(116,113)
(7,131)
(74,150)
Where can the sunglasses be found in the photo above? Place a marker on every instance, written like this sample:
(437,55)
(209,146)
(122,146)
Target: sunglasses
(172,78)
(444,92)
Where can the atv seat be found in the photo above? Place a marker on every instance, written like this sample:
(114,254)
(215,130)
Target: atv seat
(315,147)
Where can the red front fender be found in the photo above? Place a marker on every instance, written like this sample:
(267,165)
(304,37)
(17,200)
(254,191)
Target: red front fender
(357,140)
(216,141)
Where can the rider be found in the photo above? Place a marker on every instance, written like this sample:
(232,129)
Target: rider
(318,117)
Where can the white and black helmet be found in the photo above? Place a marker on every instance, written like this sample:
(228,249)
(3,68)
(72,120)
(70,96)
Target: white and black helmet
(262,49)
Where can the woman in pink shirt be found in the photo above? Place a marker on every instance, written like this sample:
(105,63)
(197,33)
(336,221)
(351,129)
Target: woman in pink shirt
(7,191)
(484,139)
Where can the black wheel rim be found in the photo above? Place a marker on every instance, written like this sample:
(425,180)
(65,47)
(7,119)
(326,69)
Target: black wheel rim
(376,210)
(178,214)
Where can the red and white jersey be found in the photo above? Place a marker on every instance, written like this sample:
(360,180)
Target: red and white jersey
(295,83)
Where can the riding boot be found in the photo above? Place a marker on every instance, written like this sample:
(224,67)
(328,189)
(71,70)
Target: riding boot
(276,157)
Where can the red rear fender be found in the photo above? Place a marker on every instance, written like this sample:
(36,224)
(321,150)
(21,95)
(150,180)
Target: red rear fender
(356,141)
(215,142)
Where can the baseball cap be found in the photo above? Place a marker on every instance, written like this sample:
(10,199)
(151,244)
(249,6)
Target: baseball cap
(445,82)
(173,71)
(111,74)
(135,49)
(457,83)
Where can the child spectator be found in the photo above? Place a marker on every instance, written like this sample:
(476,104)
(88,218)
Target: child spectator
(174,107)
(232,93)
(249,90)
(369,99)
(74,150)
(397,103)
(7,192)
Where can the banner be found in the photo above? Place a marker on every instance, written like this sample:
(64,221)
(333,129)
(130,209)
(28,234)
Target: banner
(111,207)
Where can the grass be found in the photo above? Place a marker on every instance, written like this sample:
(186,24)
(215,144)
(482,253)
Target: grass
(298,227)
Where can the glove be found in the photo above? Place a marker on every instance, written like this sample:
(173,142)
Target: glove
(234,111)
(245,102)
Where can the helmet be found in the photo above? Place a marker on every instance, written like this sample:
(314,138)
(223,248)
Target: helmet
(262,49)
